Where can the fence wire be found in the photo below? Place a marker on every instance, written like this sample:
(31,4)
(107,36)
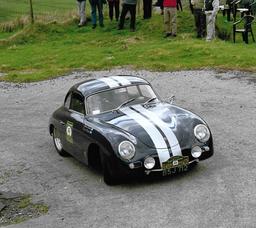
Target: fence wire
(13,9)
(45,10)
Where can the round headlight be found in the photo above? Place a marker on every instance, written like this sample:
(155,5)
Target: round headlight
(202,133)
(126,149)
(196,152)
(149,163)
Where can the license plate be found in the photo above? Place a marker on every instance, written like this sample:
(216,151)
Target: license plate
(175,164)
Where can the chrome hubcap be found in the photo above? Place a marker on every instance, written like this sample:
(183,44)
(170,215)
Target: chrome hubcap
(57,142)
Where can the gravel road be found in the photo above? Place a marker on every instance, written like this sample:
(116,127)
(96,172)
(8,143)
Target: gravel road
(219,192)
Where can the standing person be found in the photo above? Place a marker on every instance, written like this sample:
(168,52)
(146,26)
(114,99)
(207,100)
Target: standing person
(179,5)
(81,12)
(128,5)
(200,18)
(211,10)
(147,9)
(170,15)
(96,4)
(111,5)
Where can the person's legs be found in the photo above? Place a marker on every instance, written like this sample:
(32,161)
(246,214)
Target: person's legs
(203,24)
(179,5)
(100,8)
(132,9)
(173,16)
(117,6)
(122,17)
(209,26)
(200,22)
(161,6)
(167,21)
(197,22)
(145,9)
(213,28)
(81,10)
(110,7)
(150,9)
(93,12)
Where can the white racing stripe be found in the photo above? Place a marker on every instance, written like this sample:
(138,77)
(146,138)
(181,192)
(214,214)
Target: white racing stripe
(174,143)
(118,120)
(153,133)
(121,80)
(110,82)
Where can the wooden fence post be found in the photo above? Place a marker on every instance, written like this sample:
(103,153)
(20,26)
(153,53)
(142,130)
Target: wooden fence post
(31,12)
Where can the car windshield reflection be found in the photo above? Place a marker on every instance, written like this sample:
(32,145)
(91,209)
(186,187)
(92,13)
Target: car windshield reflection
(115,98)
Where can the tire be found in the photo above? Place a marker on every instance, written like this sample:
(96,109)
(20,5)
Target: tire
(110,178)
(58,144)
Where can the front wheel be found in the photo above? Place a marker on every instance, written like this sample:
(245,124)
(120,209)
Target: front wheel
(110,178)
(58,143)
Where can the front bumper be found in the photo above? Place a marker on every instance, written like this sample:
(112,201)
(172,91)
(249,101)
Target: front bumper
(137,167)
(148,171)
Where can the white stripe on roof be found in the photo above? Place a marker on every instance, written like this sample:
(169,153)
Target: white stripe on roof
(110,82)
(124,81)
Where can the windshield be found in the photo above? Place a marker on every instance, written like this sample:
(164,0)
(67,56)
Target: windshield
(112,99)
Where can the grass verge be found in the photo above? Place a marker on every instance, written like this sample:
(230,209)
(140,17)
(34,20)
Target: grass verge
(44,51)
(20,209)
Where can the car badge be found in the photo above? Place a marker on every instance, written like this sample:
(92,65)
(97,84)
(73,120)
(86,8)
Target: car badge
(175,162)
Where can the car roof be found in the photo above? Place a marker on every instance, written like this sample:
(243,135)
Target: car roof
(89,87)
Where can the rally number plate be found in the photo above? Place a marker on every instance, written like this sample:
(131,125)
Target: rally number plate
(175,164)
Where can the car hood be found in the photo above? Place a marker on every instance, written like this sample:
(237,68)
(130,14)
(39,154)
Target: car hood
(152,123)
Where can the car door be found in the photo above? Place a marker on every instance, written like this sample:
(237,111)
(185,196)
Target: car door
(74,135)
(61,117)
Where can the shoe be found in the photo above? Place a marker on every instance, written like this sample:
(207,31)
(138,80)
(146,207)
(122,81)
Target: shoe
(94,26)
(174,35)
(167,35)
(81,24)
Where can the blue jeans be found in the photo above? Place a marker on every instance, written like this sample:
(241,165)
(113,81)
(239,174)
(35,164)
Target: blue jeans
(94,5)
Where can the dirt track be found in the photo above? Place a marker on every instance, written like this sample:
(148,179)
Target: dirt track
(219,192)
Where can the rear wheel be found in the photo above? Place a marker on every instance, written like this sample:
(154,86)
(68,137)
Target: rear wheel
(58,143)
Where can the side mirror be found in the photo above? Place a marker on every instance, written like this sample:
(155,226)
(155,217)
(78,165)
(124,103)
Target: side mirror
(172,99)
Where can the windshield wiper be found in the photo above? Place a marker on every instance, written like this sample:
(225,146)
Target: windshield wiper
(150,100)
(124,103)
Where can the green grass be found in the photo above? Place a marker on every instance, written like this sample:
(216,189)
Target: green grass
(41,51)
(25,202)
(10,9)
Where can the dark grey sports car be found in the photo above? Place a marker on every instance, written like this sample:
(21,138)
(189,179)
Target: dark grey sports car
(119,124)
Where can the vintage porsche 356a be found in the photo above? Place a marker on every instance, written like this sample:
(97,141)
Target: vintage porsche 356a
(121,125)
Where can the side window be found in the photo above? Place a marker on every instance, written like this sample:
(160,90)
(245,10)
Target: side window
(147,91)
(67,101)
(77,103)
(133,91)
